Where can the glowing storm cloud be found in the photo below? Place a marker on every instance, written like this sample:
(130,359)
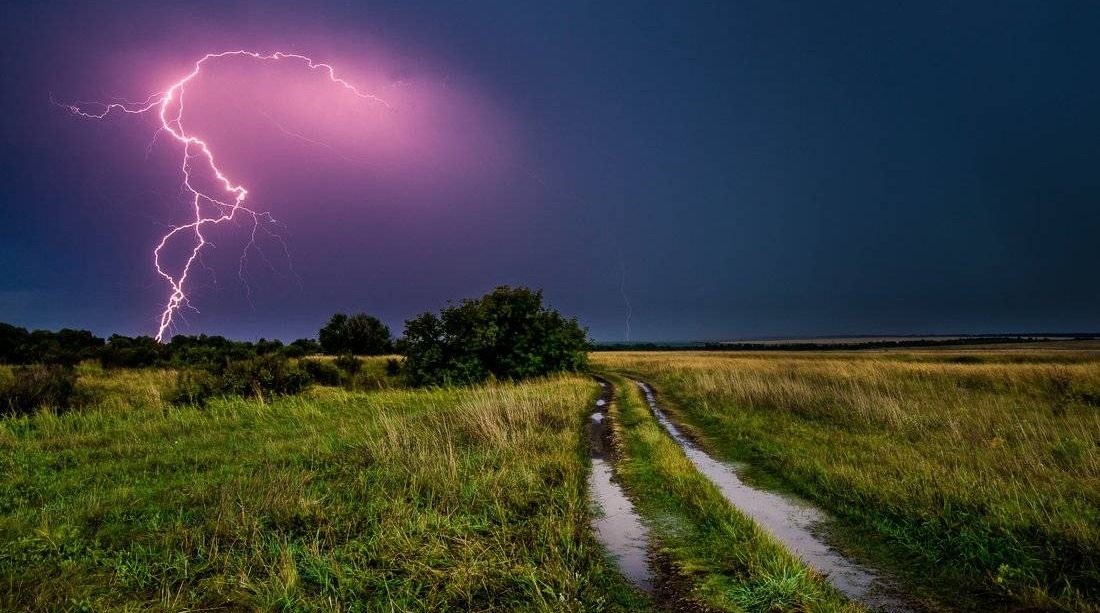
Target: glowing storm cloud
(221,207)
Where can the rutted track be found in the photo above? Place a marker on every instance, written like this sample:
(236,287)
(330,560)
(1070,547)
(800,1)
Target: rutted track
(791,521)
(617,526)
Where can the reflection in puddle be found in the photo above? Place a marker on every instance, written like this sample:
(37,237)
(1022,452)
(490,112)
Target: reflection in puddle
(618,528)
(790,520)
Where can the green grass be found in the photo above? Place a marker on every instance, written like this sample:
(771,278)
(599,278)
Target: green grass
(467,499)
(985,465)
(730,564)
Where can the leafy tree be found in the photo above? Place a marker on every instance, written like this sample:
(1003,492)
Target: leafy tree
(359,334)
(301,348)
(265,347)
(506,334)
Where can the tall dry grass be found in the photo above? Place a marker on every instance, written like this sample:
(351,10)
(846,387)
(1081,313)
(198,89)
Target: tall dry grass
(986,461)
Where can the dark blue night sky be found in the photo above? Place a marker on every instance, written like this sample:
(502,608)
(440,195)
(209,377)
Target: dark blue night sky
(755,168)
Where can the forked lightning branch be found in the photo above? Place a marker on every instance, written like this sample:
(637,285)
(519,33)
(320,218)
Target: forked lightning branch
(210,206)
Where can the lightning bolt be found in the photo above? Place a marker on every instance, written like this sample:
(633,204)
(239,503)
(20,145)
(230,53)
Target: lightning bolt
(222,207)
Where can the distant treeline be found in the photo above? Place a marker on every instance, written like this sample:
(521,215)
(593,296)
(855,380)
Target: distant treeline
(507,334)
(68,347)
(841,346)
(359,334)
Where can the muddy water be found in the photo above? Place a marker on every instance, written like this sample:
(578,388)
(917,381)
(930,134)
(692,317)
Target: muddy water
(617,526)
(791,521)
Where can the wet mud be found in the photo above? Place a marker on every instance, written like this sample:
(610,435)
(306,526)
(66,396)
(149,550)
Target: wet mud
(793,522)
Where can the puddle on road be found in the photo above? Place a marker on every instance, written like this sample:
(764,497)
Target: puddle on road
(618,528)
(790,520)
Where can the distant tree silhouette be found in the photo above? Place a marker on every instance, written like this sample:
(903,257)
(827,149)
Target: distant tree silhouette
(301,348)
(64,347)
(12,340)
(137,352)
(359,334)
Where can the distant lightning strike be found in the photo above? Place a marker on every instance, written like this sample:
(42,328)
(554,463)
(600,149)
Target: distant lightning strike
(170,110)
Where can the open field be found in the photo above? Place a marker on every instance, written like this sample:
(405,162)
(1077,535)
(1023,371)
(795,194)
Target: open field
(977,469)
(469,498)
(970,477)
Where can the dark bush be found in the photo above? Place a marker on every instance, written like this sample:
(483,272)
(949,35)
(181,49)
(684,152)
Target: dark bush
(302,348)
(268,375)
(137,352)
(366,381)
(209,351)
(323,372)
(194,386)
(37,386)
(393,367)
(260,377)
(349,364)
(506,334)
(265,347)
(359,334)
(12,340)
(65,347)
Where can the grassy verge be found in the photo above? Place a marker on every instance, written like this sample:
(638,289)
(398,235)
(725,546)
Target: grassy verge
(730,563)
(984,463)
(469,499)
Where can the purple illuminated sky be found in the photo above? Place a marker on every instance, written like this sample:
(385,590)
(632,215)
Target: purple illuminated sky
(754,168)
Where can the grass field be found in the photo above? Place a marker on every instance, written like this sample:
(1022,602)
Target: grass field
(467,499)
(725,560)
(973,474)
(983,463)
